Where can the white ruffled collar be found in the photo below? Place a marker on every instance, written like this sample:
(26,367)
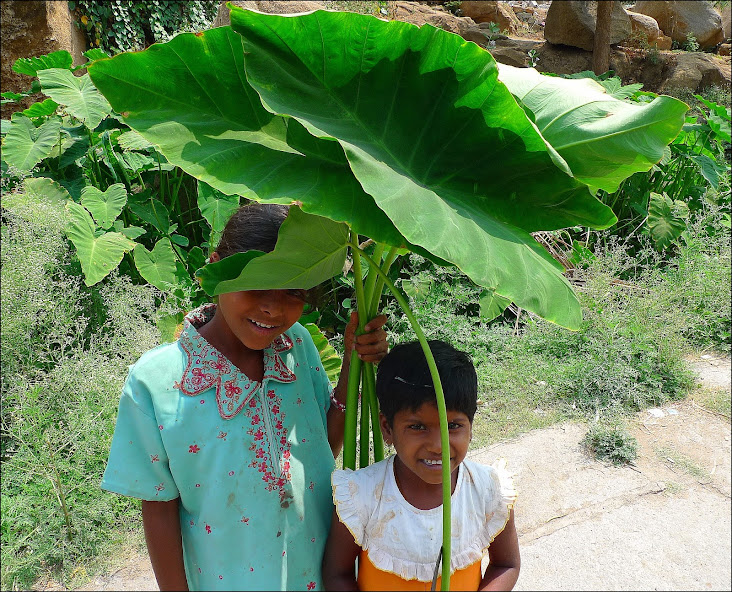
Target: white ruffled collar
(404,540)
(207,367)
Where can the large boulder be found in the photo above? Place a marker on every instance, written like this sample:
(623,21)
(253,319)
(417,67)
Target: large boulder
(268,6)
(420,14)
(644,28)
(677,19)
(697,71)
(726,13)
(31,29)
(489,11)
(572,22)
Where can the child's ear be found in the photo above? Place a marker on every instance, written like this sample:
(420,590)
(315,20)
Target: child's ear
(385,429)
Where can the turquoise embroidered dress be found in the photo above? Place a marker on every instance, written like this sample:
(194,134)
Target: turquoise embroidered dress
(250,461)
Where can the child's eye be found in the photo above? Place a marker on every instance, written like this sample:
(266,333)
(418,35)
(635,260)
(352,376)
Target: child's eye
(454,425)
(416,426)
(301,294)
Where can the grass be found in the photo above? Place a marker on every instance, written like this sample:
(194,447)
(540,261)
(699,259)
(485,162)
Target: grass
(679,461)
(717,400)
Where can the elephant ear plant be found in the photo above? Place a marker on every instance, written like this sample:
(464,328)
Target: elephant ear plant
(405,135)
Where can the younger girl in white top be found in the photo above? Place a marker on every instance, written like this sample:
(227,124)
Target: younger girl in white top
(388,516)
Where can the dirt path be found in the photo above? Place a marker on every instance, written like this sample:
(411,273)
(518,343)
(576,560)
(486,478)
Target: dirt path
(663,524)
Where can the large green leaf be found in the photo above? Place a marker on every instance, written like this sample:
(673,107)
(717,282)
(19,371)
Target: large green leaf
(25,145)
(431,134)
(42,109)
(98,255)
(603,139)
(309,250)
(104,206)
(190,98)
(666,219)
(43,189)
(55,59)
(77,93)
(157,266)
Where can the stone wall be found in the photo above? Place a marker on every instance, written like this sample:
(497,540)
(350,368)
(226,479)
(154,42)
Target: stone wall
(32,29)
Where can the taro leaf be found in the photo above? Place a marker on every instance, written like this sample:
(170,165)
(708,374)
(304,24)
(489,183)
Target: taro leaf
(98,255)
(432,135)
(157,267)
(602,139)
(24,146)
(179,239)
(309,250)
(328,355)
(44,189)
(492,305)
(131,232)
(708,168)
(131,140)
(135,162)
(104,206)
(217,208)
(190,98)
(95,54)
(666,219)
(196,258)
(170,326)
(55,59)
(77,93)
(12,96)
(42,109)
(152,211)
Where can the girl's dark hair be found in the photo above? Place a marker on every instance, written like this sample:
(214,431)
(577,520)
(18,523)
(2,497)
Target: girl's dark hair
(403,379)
(253,226)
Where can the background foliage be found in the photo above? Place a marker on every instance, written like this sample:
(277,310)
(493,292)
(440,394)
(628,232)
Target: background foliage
(131,25)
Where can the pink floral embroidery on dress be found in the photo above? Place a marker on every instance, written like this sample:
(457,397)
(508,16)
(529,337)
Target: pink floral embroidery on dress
(154,458)
(274,444)
(193,448)
(311,586)
(208,368)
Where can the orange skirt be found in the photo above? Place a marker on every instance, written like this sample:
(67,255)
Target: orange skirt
(371,577)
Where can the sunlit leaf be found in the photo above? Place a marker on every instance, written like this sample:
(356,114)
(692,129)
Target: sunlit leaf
(603,139)
(98,255)
(42,109)
(492,305)
(157,267)
(328,355)
(24,146)
(106,205)
(31,66)
(77,94)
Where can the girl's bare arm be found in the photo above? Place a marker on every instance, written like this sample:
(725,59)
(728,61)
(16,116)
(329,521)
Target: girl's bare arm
(164,545)
(505,560)
(339,561)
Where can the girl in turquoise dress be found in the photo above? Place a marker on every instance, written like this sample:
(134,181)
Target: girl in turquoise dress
(228,435)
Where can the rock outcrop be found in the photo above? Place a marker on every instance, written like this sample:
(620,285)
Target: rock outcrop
(31,29)
(489,11)
(419,14)
(268,6)
(677,19)
(572,22)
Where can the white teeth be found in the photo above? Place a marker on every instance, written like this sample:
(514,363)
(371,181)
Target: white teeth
(432,462)
(258,324)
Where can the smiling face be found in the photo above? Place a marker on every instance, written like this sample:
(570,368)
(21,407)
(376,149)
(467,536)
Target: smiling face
(256,317)
(416,439)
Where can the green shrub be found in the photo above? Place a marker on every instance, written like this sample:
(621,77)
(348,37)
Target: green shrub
(610,441)
(65,349)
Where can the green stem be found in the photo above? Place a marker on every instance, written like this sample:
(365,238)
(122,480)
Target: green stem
(442,411)
(369,387)
(371,278)
(349,429)
(363,442)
